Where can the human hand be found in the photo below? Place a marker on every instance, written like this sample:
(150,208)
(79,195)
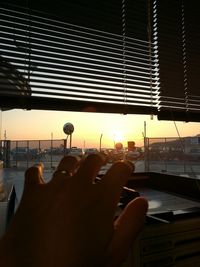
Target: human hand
(69,221)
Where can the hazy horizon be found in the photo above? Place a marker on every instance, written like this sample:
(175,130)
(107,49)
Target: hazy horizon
(89,127)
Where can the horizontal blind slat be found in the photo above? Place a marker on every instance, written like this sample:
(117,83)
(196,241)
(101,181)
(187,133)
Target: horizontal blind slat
(62,59)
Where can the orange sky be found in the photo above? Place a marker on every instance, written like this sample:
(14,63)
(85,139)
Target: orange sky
(42,125)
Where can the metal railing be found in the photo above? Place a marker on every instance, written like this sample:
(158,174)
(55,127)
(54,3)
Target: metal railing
(25,153)
(173,155)
(169,155)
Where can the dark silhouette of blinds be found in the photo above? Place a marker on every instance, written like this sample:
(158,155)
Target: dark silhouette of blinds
(177,33)
(78,55)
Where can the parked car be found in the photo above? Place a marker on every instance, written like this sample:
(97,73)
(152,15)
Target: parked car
(133,155)
(36,153)
(55,151)
(114,154)
(193,154)
(74,151)
(25,153)
(20,153)
(89,151)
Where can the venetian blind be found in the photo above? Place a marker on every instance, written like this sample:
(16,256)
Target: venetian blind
(77,55)
(177,33)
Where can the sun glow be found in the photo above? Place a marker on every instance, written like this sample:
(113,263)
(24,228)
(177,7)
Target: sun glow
(89,128)
(118,136)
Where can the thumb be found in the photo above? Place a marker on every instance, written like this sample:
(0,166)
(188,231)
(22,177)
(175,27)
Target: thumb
(127,227)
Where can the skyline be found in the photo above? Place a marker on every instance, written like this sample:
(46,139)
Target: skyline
(45,125)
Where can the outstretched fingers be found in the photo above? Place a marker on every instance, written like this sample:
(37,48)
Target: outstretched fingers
(33,181)
(67,167)
(34,176)
(112,184)
(89,168)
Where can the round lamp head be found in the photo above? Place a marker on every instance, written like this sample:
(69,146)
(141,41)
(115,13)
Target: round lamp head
(68,128)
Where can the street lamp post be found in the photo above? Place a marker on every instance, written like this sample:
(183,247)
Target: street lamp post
(100,142)
(68,129)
